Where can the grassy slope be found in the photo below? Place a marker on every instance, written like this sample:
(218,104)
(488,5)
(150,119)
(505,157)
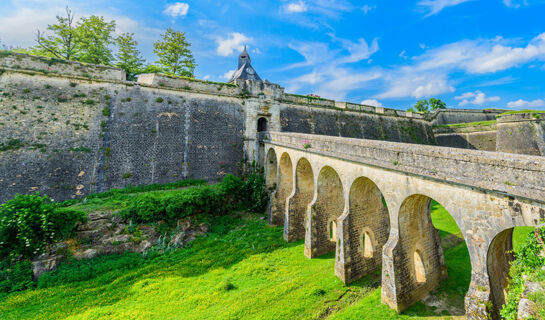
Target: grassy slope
(249,273)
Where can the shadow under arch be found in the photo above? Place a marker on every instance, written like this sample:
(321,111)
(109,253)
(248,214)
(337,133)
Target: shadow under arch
(498,259)
(283,191)
(298,202)
(430,242)
(366,228)
(271,168)
(326,207)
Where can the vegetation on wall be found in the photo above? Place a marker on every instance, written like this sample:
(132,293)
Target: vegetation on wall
(527,266)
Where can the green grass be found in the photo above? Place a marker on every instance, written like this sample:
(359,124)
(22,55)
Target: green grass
(520,111)
(242,269)
(467,124)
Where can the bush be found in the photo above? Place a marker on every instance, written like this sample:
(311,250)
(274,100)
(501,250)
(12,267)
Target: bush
(15,276)
(29,222)
(221,199)
(527,261)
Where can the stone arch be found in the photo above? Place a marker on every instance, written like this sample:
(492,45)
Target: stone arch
(284,189)
(419,261)
(271,170)
(499,257)
(327,206)
(262,124)
(366,229)
(299,201)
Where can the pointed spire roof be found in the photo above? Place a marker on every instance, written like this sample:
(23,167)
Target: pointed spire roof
(245,70)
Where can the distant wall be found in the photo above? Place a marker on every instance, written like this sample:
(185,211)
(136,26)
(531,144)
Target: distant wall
(453,116)
(522,133)
(478,137)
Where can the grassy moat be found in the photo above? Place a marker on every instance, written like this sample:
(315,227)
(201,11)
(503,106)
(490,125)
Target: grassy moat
(242,269)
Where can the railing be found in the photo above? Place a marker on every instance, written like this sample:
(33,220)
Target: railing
(512,174)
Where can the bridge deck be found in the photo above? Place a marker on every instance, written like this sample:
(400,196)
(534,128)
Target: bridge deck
(511,174)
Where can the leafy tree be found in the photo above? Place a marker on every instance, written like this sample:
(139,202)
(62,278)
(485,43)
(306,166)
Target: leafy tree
(63,43)
(422,106)
(174,53)
(128,56)
(94,38)
(152,68)
(425,105)
(437,104)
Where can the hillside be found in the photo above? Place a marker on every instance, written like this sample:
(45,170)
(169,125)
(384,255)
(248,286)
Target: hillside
(241,269)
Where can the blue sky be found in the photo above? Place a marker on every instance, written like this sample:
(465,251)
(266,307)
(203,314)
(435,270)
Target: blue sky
(469,53)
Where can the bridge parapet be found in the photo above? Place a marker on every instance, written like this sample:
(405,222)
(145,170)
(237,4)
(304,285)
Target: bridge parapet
(512,174)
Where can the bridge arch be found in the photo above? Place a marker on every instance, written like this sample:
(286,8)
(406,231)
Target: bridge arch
(271,170)
(327,205)
(365,230)
(298,202)
(418,258)
(499,257)
(283,191)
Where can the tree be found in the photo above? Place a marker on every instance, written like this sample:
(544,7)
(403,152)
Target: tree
(174,53)
(425,105)
(63,43)
(437,104)
(128,56)
(422,106)
(94,36)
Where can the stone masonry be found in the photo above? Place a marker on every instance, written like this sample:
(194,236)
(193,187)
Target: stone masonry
(486,193)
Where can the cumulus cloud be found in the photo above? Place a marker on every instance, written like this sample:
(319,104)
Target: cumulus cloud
(435,6)
(372,102)
(295,7)
(428,74)
(177,9)
(233,43)
(519,104)
(476,98)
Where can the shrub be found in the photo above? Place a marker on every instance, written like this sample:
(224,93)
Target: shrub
(144,208)
(29,222)
(527,260)
(15,276)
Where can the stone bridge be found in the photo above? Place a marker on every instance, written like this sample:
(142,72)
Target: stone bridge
(369,201)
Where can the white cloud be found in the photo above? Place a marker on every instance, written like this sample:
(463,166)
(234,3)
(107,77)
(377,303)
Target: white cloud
(519,104)
(366,8)
(372,102)
(16,29)
(359,50)
(228,74)
(295,7)
(235,41)
(476,98)
(435,6)
(177,9)
(410,83)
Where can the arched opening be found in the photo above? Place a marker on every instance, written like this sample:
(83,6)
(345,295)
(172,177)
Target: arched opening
(419,269)
(261,124)
(499,257)
(298,203)
(329,206)
(436,256)
(369,224)
(285,187)
(271,170)
(368,247)
(332,231)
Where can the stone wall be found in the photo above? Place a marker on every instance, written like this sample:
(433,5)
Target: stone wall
(453,116)
(521,133)
(68,137)
(480,136)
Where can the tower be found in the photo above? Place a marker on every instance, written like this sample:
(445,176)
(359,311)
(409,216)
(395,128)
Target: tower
(245,70)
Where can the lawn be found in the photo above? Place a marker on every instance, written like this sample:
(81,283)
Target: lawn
(249,272)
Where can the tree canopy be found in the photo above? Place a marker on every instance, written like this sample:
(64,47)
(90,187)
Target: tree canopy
(424,105)
(174,54)
(128,56)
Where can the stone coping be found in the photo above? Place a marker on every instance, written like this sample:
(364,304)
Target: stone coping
(520,175)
